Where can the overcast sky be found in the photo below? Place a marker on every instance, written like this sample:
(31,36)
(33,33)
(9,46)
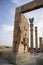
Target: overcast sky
(7,15)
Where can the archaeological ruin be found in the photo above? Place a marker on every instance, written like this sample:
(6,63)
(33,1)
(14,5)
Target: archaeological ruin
(21,27)
(21,48)
(31,33)
(21,37)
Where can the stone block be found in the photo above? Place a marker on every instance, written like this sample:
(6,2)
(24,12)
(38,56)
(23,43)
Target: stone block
(20,32)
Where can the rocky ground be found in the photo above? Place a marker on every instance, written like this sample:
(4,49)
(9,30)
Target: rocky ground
(33,59)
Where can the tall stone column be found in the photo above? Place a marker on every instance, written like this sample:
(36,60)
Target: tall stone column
(31,33)
(36,38)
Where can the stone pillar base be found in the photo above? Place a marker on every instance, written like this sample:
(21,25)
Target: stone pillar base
(19,59)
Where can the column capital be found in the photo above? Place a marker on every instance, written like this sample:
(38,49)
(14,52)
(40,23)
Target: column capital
(31,20)
(35,28)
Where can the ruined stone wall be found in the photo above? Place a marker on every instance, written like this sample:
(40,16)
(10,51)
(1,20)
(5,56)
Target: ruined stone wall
(16,34)
(22,9)
(21,31)
(24,27)
(40,43)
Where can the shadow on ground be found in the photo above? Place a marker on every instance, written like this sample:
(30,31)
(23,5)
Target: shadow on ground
(40,60)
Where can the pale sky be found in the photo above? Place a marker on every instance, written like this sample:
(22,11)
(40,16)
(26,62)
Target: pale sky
(7,15)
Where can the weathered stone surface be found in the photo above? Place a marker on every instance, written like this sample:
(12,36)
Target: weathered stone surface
(16,34)
(40,41)
(30,6)
(41,44)
(31,33)
(36,37)
(21,31)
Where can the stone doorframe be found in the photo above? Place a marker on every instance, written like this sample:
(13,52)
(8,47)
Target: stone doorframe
(36,4)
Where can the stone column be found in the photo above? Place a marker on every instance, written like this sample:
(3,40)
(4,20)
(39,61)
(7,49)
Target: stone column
(40,43)
(31,33)
(36,38)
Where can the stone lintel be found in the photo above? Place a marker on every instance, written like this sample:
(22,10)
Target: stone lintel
(30,6)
